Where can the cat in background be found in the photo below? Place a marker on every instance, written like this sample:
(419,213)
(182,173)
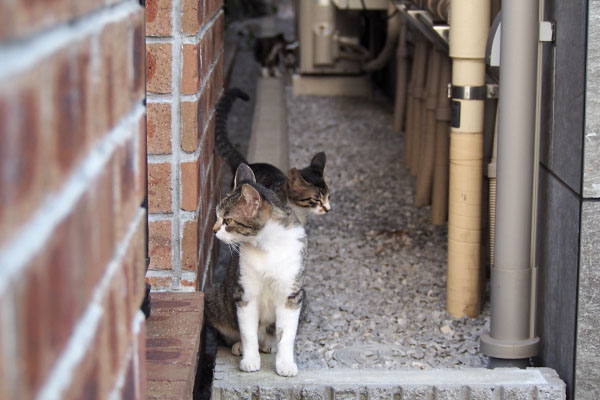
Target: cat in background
(258,305)
(268,52)
(305,190)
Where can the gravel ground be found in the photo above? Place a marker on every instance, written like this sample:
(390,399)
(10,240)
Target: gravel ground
(376,271)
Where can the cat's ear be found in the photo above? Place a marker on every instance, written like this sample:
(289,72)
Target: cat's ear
(243,173)
(318,162)
(295,178)
(253,200)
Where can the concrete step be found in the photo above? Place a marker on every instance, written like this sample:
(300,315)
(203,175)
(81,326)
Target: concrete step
(363,384)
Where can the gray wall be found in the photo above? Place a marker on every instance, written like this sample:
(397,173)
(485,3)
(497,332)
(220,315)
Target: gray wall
(561,194)
(587,366)
(568,318)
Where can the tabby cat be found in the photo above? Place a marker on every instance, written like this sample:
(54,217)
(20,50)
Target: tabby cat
(258,305)
(267,52)
(304,190)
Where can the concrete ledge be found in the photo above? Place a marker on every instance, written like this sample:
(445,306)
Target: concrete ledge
(172,344)
(323,85)
(466,384)
(269,137)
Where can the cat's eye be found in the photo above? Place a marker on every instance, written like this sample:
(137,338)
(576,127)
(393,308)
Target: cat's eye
(227,221)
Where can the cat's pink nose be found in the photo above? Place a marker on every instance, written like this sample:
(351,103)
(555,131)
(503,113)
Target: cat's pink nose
(216,227)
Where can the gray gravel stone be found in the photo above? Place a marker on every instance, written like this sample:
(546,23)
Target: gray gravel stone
(376,269)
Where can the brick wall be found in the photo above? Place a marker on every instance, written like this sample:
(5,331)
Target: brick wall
(72,179)
(184,61)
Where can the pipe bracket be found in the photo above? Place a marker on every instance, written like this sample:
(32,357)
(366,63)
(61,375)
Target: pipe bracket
(467,92)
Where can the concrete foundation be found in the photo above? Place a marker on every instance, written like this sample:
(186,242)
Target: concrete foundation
(472,383)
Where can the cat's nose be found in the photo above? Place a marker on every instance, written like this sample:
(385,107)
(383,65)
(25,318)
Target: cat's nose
(217,226)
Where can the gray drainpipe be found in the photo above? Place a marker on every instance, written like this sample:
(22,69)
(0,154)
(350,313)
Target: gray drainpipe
(511,336)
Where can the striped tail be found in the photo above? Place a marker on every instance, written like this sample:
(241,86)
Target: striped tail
(230,154)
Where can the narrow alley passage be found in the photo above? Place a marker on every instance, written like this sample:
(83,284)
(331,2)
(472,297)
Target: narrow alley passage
(376,274)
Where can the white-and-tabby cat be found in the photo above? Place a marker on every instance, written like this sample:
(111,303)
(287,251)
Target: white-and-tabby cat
(258,305)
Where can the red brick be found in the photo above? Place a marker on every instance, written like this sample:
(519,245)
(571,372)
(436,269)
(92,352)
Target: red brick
(99,209)
(138,59)
(177,390)
(158,68)
(159,187)
(192,16)
(191,114)
(190,81)
(6,384)
(124,171)
(206,50)
(139,265)
(219,73)
(6,19)
(34,353)
(159,128)
(141,367)
(206,152)
(115,70)
(135,268)
(186,324)
(82,7)
(115,306)
(214,6)
(191,283)
(141,172)
(189,185)
(159,244)
(60,264)
(159,282)
(34,15)
(69,111)
(158,17)
(189,245)
(219,31)
(24,160)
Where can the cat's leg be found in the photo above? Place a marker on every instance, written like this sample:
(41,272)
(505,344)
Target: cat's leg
(276,72)
(264,72)
(248,321)
(287,325)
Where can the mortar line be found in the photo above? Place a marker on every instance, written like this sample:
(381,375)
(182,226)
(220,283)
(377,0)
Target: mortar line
(176,73)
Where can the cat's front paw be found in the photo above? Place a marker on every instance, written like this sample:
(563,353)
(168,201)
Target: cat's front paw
(250,364)
(286,368)
(236,349)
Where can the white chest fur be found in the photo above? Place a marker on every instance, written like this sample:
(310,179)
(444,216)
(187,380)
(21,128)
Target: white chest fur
(269,267)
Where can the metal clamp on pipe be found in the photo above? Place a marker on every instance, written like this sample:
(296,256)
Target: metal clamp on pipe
(467,92)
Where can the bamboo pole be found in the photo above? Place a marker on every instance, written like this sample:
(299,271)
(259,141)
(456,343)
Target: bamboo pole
(419,110)
(439,203)
(426,159)
(417,77)
(401,74)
